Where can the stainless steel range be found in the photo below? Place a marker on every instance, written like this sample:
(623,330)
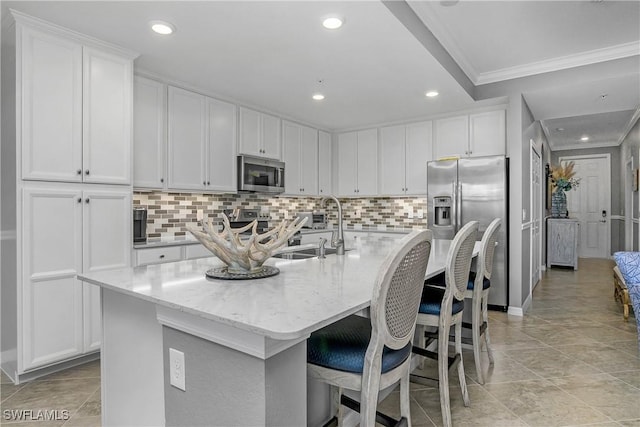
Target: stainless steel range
(240,217)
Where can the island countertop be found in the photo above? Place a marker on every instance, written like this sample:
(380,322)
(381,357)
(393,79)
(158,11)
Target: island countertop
(307,294)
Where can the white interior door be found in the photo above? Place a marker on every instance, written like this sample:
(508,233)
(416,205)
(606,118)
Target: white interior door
(590,203)
(536,215)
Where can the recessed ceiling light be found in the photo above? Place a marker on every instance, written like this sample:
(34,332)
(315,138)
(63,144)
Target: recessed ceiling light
(332,22)
(162,27)
(432,93)
(584,138)
(318,96)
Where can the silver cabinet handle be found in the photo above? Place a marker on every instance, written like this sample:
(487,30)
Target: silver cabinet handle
(161,256)
(79,199)
(86,172)
(86,200)
(79,171)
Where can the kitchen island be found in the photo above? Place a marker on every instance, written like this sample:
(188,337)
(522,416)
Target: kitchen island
(244,342)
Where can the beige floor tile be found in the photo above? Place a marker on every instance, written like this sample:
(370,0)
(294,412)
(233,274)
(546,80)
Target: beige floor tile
(505,369)
(87,370)
(601,356)
(391,406)
(61,395)
(94,421)
(630,423)
(629,377)
(541,403)
(609,395)
(485,410)
(556,335)
(550,363)
(630,347)
(92,407)
(8,389)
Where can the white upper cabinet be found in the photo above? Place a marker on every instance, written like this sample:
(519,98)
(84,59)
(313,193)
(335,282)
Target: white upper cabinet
(358,163)
(149,142)
(221,135)
(202,141)
(418,150)
(487,133)
(259,134)
(474,135)
(452,137)
(325,177)
(51,124)
(404,153)
(187,139)
(300,145)
(106,120)
(76,110)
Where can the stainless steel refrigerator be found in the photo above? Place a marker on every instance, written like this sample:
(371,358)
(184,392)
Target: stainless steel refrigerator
(474,189)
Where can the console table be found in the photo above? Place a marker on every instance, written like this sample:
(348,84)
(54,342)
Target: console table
(562,242)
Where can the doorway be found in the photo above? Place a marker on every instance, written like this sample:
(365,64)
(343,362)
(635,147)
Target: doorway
(628,205)
(590,203)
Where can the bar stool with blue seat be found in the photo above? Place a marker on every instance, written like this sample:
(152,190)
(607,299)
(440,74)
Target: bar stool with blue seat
(368,355)
(478,290)
(442,308)
(629,265)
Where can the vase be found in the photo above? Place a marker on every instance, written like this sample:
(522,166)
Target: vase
(559,204)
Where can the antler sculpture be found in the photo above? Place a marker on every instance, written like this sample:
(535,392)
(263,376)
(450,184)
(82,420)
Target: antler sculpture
(248,255)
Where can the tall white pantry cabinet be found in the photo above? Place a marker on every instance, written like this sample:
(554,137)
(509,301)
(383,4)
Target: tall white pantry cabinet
(66,190)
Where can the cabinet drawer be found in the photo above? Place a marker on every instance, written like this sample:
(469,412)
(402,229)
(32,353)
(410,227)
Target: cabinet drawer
(196,251)
(158,255)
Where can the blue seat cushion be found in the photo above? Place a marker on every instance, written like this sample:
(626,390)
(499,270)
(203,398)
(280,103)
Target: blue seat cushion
(343,344)
(439,281)
(486,283)
(432,299)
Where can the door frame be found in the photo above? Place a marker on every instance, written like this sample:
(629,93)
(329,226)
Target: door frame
(628,204)
(606,156)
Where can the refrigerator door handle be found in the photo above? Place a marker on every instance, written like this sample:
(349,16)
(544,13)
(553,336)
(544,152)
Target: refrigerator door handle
(454,207)
(459,208)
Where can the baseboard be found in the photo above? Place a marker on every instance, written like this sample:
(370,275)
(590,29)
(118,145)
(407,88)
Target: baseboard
(516,311)
(527,304)
(41,372)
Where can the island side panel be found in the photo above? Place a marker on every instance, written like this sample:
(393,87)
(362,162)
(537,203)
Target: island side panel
(228,387)
(131,365)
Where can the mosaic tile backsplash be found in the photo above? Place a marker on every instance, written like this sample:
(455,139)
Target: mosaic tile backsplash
(168,213)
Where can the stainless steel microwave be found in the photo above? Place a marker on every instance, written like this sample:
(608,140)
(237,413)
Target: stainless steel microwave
(260,175)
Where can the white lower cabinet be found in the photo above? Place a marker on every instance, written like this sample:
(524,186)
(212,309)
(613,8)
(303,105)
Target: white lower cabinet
(148,256)
(67,230)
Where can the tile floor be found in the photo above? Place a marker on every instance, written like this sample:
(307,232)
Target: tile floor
(572,360)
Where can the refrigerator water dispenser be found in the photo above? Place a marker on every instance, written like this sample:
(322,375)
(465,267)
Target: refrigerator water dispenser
(442,211)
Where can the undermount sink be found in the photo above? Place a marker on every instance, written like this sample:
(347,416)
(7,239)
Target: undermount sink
(304,253)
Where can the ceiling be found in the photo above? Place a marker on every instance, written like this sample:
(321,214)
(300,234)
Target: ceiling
(274,55)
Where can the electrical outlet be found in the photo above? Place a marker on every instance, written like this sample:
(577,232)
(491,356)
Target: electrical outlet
(410,214)
(420,213)
(176,369)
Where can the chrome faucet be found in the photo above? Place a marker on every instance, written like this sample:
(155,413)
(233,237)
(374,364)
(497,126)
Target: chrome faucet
(321,247)
(338,241)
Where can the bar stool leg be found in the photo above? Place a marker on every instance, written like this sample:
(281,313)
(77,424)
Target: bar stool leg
(463,381)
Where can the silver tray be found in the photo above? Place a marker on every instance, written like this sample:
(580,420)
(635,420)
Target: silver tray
(223,273)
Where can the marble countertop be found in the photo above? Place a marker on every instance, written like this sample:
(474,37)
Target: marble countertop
(307,294)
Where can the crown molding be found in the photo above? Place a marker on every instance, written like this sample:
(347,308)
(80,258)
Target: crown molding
(585,146)
(41,24)
(629,126)
(570,61)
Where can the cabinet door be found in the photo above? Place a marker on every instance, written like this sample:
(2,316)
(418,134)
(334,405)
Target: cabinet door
(149,133)
(325,177)
(452,137)
(250,132)
(107,238)
(271,139)
(392,160)
(487,133)
(187,139)
(418,149)
(51,121)
(309,161)
(367,163)
(106,119)
(347,163)
(51,315)
(221,126)
(291,136)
